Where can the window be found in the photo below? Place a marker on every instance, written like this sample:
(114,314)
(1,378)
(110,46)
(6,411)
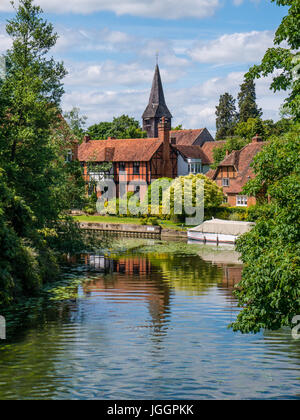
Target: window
(225,182)
(69,156)
(242,200)
(122,166)
(136,168)
(195,168)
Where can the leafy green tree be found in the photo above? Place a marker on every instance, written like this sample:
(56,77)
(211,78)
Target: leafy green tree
(247,101)
(226,116)
(286,60)
(213,195)
(232,143)
(76,122)
(123,127)
(34,176)
(178,128)
(269,292)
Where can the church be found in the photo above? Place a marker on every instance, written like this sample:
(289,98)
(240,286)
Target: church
(164,153)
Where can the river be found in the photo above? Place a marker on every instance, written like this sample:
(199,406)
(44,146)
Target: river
(146,321)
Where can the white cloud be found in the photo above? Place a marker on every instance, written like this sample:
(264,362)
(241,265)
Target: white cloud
(165,9)
(193,107)
(245,47)
(86,40)
(5,43)
(113,74)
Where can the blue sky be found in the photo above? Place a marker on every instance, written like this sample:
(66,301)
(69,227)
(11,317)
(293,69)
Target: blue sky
(205,47)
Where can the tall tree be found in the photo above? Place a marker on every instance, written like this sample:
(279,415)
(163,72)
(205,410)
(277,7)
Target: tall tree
(226,116)
(33,173)
(247,101)
(286,60)
(76,122)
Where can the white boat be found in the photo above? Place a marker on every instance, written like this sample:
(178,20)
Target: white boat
(220,232)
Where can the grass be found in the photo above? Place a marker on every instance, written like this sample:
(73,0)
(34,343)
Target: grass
(168,224)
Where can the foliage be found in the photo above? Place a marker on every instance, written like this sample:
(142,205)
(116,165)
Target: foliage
(265,128)
(213,195)
(286,60)
(37,186)
(232,143)
(76,123)
(247,101)
(122,127)
(270,289)
(226,116)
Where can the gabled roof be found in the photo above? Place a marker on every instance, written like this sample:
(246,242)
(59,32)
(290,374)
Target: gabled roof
(209,147)
(157,105)
(192,152)
(118,150)
(186,137)
(241,160)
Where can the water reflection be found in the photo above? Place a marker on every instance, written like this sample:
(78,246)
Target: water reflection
(148,325)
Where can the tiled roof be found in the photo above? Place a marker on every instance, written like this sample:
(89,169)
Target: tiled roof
(209,146)
(119,150)
(241,160)
(211,173)
(186,137)
(192,152)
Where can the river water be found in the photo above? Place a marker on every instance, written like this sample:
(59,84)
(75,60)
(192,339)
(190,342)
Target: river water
(148,323)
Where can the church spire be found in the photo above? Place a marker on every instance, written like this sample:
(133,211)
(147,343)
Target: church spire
(156,108)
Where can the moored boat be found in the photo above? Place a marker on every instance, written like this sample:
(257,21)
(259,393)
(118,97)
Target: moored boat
(219,232)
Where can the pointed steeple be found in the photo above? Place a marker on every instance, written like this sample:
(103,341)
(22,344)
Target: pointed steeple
(156,108)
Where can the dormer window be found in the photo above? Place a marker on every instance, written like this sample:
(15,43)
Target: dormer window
(225,182)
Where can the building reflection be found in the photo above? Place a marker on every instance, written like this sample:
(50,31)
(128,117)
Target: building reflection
(131,279)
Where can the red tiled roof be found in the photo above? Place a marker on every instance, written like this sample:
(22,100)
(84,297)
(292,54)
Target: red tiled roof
(186,137)
(241,160)
(209,147)
(211,173)
(119,150)
(193,152)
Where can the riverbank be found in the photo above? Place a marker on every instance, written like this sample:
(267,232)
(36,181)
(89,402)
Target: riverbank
(133,230)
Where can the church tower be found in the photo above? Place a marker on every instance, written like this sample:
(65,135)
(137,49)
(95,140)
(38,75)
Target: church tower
(157,108)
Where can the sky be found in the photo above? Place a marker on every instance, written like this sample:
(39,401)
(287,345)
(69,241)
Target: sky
(205,47)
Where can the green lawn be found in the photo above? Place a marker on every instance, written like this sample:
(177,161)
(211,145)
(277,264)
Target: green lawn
(168,224)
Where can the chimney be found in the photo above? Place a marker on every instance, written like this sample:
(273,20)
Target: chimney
(86,138)
(257,139)
(164,136)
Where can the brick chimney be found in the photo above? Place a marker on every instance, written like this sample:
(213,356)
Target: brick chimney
(86,139)
(164,136)
(257,139)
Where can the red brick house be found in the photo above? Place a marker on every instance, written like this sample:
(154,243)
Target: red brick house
(141,159)
(235,171)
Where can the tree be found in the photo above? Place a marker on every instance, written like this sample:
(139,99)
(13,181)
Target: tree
(123,127)
(213,195)
(247,101)
(286,60)
(232,143)
(226,116)
(270,288)
(76,122)
(34,176)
